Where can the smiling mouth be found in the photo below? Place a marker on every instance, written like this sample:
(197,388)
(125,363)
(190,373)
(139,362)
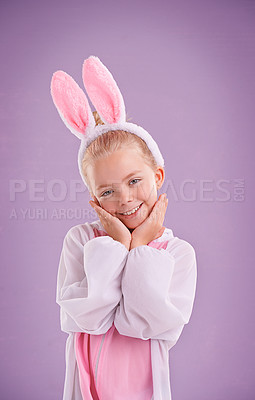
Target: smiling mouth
(131,211)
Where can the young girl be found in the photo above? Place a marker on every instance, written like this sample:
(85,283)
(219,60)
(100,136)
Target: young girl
(126,284)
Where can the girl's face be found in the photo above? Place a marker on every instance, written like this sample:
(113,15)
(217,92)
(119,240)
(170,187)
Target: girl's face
(122,181)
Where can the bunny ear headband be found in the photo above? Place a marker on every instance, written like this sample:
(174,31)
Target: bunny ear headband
(73,107)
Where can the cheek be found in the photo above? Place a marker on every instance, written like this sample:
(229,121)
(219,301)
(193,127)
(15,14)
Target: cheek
(148,191)
(108,205)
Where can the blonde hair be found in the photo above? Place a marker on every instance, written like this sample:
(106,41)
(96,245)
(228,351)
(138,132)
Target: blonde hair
(111,141)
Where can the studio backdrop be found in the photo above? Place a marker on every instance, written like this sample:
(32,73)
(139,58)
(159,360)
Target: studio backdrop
(186,71)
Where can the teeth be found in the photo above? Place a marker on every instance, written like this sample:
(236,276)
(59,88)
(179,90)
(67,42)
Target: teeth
(131,212)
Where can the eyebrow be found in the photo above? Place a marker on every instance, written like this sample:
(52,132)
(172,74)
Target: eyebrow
(128,176)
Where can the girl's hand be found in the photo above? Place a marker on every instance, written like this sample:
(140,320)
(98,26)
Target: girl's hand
(149,229)
(112,225)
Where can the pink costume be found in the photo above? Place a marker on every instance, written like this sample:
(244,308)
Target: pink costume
(113,366)
(123,311)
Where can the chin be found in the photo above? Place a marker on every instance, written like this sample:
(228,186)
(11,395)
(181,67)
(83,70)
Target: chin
(131,225)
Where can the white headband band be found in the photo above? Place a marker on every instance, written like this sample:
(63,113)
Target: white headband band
(73,107)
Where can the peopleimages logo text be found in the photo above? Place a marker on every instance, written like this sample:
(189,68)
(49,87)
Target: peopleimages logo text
(188,190)
(40,199)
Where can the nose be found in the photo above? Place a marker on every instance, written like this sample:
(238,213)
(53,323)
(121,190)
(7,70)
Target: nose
(125,195)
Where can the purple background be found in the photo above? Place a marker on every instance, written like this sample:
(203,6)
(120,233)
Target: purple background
(186,71)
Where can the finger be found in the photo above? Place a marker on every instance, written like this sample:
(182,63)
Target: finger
(158,206)
(154,215)
(103,213)
(95,205)
(162,197)
(164,206)
(161,201)
(164,201)
(103,218)
(96,201)
(161,210)
(99,210)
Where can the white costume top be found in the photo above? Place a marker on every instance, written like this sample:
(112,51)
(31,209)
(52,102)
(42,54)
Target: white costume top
(147,293)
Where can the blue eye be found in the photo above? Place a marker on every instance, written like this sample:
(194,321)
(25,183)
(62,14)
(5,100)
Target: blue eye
(106,193)
(136,179)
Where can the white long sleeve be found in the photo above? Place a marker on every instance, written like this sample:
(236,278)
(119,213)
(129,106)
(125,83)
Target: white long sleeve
(89,281)
(158,289)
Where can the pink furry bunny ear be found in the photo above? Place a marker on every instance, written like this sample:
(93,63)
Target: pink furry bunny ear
(71,103)
(103,91)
